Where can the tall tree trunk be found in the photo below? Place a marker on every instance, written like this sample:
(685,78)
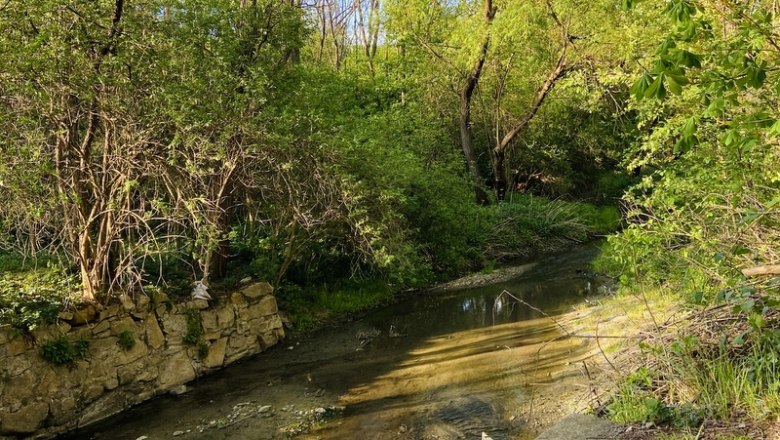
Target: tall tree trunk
(466,95)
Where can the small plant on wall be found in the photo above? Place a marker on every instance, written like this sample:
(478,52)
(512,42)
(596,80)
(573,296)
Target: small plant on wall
(61,351)
(126,340)
(194,327)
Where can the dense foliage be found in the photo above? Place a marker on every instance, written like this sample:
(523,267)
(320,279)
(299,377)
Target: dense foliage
(155,144)
(347,149)
(704,217)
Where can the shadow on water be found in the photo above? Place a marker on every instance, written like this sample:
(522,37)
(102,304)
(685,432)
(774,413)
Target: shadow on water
(444,365)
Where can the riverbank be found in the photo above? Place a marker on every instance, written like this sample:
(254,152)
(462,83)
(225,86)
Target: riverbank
(461,361)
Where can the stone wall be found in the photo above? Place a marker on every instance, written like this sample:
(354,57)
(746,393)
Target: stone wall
(41,399)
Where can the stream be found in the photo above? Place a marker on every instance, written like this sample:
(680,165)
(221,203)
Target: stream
(443,365)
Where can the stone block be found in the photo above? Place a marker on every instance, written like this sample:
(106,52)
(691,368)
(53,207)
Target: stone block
(209,319)
(104,350)
(257,290)
(226,317)
(265,307)
(154,335)
(84,315)
(200,304)
(176,370)
(120,325)
(18,345)
(45,334)
(105,406)
(110,312)
(138,351)
(25,421)
(127,303)
(216,356)
(62,410)
(238,300)
(101,328)
(268,340)
(142,302)
(174,326)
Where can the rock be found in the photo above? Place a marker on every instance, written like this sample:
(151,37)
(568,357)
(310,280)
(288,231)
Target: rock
(61,410)
(240,346)
(264,409)
(127,303)
(159,298)
(257,290)
(175,326)
(18,345)
(84,315)
(143,437)
(209,320)
(226,317)
(141,302)
(65,315)
(245,280)
(142,370)
(101,327)
(137,351)
(179,390)
(265,307)
(124,324)
(176,370)
(25,421)
(201,291)
(200,304)
(154,335)
(46,333)
(178,433)
(63,327)
(268,340)
(216,356)
(110,312)
(238,300)
(580,427)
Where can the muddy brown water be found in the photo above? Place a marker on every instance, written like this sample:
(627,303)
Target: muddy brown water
(447,365)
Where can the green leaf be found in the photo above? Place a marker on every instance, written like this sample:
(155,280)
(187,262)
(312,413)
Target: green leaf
(656,89)
(688,59)
(673,85)
(689,128)
(641,85)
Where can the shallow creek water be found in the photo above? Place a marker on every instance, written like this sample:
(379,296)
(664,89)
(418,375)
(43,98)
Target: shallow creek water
(440,365)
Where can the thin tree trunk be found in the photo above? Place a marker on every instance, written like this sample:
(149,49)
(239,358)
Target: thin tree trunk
(500,150)
(466,95)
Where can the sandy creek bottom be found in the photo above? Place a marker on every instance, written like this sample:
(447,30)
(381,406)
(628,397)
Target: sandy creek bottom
(447,365)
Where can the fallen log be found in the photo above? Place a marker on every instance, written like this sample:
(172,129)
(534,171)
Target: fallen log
(767,269)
